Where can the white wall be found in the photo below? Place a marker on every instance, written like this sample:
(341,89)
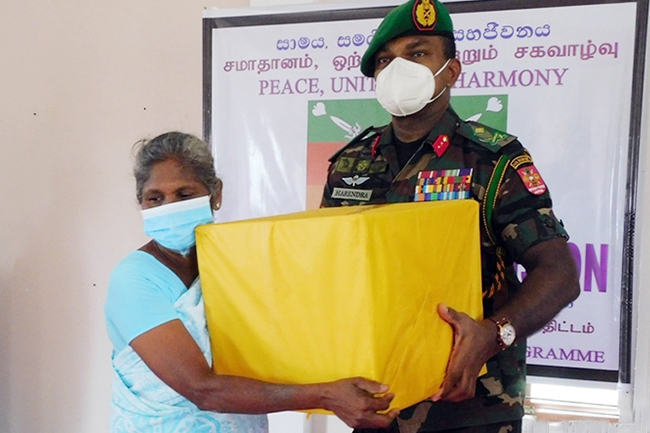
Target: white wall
(79,83)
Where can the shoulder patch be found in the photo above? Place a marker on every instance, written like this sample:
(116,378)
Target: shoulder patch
(484,135)
(367,133)
(532,180)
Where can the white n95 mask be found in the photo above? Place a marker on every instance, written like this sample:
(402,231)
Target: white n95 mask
(405,87)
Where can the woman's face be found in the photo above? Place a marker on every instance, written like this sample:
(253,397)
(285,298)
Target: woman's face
(170,182)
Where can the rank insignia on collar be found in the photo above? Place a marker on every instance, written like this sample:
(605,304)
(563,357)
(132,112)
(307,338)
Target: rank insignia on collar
(441,144)
(532,180)
(373,151)
(437,185)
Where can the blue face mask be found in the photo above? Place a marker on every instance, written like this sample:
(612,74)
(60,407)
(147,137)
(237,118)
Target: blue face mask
(172,225)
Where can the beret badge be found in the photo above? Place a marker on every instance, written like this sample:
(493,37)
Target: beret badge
(424,15)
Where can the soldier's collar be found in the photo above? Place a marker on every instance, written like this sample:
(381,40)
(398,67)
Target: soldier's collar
(445,126)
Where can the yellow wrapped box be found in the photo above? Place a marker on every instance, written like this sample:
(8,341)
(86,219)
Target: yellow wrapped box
(331,293)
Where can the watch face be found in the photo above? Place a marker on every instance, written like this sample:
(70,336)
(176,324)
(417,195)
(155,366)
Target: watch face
(507,334)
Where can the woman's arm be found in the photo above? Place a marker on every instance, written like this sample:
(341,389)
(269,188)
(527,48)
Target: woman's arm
(173,355)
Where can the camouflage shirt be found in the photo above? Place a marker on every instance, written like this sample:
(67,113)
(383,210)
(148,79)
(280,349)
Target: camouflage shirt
(366,171)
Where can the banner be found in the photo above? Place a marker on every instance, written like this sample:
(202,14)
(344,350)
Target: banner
(285,92)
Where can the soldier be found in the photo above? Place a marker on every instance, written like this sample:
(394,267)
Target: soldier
(412,57)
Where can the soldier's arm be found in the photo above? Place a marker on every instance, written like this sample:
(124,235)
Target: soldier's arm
(551,284)
(535,238)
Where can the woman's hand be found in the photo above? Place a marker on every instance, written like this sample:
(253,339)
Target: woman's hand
(357,400)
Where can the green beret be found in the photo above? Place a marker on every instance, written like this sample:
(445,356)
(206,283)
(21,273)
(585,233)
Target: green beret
(427,17)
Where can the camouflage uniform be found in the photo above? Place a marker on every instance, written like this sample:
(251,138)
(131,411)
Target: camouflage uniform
(520,219)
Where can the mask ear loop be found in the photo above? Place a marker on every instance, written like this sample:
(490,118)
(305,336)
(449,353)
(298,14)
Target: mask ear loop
(434,77)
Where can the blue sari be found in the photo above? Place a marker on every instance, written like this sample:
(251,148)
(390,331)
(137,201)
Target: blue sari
(142,403)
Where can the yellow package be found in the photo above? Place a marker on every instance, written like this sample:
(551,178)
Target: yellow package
(331,293)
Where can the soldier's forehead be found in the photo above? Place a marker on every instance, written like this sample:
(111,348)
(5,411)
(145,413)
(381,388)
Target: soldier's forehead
(411,41)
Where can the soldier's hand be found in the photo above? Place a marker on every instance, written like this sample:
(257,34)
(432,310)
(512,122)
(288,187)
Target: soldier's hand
(474,343)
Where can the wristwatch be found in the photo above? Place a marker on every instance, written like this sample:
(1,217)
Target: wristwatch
(506,333)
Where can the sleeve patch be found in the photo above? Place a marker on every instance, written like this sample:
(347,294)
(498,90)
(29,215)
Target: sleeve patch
(532,180)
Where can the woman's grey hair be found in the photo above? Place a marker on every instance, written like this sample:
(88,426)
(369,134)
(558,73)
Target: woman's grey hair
(190,151)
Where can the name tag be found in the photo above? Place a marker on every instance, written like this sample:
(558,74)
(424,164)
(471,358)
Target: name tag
(352,194)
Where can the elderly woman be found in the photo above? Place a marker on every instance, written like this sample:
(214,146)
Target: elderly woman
(156,322)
